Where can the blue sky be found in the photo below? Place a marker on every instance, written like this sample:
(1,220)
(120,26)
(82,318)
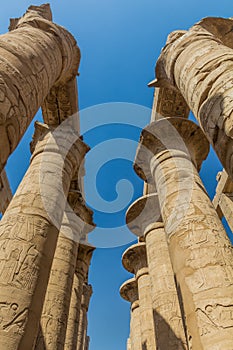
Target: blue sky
(120,42)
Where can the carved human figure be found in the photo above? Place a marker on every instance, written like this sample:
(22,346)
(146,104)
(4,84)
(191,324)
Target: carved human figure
(200,250)
(28,233)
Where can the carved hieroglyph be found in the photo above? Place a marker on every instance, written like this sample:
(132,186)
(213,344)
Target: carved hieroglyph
(144,216)
(200,251)
(34,56)
(58,295)
(168,102)
(134,260)
(83,261)
(28,237)
(199,63)
(5,192)
(129,292)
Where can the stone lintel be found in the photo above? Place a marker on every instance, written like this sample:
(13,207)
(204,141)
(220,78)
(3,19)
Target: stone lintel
(80,208)
(168,102)
(134,258)
(61,103)
(143,212)
(129,290)
(225,185)
(170,135)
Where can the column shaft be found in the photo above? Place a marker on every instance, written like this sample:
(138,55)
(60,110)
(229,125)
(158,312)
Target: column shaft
(200,252)
(135,327)
(28,237)
(169,327)
(148,337)
(57,300)
(82,328)
(82,265)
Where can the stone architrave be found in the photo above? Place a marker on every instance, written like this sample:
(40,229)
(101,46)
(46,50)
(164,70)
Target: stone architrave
(143,216)
(134,260)
(199,63)
(54,317)
(82,327)
(83,261)
(223,200)
(200,251)
(35,56)
(168,102)
(28,235)
(5,192)
(129,292)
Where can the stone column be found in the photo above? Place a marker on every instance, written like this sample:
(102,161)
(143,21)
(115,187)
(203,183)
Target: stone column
(129,344)
(57,301)
(34,56)
(223,200)
(82,327)
(199,63)
(87,342)
(129,292)
(144,216)
(200,251)
(134,260)
(83,261)
(5,192)
(28,235)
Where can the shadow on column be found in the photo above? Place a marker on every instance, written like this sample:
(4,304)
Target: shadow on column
(40,342)
(165,337)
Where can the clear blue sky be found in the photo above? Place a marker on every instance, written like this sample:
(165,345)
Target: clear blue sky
(120,41)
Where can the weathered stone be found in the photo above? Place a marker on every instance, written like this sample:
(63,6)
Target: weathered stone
(144,216)
(82,327)
(83,261)
(199,63)
(223,200)
(5,192)
(200,251)
(28,236)
(34,56)
(129,292)
(134,260)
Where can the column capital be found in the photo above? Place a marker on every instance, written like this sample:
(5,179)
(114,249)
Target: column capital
(83,259)
(86,296)
(167,138)
(129,290)
(77,203)
(134,258)
(55,140)
(142,213)
(40,17)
